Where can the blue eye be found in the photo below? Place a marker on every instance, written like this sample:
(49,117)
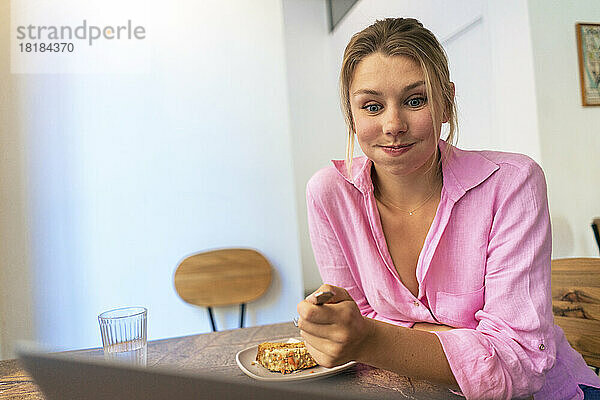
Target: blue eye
(416,102)
(372,108)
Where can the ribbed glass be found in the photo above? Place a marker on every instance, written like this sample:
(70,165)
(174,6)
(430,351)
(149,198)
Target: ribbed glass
(123,334)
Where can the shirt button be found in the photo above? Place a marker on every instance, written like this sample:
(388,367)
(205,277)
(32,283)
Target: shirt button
(416,303)
(542,347)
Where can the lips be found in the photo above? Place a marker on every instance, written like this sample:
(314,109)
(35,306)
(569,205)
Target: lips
(397,146)
(397,149)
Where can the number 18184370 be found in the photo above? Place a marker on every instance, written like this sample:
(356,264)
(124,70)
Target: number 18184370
(46,47)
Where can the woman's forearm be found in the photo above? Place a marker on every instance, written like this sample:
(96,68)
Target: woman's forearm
(426,326)
(411,352)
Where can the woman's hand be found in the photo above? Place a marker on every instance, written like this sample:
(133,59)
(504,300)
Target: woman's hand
(335,332)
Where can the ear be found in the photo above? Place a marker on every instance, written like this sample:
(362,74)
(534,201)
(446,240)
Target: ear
(446,116)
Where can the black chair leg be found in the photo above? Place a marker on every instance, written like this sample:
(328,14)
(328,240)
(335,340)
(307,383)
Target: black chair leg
(212,319)
(242,314)
(596,229)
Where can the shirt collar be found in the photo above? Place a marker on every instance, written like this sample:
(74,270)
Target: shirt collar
(462,170)
(361,173)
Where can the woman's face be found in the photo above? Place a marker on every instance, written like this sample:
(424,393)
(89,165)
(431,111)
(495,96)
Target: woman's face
(391,114)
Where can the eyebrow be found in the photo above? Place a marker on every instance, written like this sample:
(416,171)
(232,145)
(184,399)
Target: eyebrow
(376,93)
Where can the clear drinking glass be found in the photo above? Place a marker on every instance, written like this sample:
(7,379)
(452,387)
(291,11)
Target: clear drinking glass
(123,334)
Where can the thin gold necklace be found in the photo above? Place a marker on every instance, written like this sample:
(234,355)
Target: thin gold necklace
(409,212)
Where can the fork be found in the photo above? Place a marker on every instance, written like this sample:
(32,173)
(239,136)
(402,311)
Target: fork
(322,298)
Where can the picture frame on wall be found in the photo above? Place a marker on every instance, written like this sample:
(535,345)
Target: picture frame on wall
(588,48)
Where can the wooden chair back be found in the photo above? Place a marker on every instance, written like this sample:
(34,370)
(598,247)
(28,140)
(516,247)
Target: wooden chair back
(223,277)
(576,304)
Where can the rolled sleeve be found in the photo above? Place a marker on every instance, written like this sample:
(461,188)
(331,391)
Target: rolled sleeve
(512,347)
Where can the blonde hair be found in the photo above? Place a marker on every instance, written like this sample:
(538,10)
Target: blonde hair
(402,37)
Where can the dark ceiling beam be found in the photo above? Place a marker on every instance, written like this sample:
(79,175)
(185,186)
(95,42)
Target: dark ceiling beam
(336,10)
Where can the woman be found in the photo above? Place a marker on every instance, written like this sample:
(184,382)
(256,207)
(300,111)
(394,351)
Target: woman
(439,258)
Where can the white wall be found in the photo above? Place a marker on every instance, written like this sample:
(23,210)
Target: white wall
(511,97)
(15,276)
(315,118)
(491,63)
(128,173)
(569,132)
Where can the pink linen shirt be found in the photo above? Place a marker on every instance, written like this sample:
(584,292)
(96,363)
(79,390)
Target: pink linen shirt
(484,268)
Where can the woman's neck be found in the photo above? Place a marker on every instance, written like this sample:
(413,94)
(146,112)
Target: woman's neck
(406,191)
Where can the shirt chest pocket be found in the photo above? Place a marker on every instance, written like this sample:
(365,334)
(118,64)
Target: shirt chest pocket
(458,309)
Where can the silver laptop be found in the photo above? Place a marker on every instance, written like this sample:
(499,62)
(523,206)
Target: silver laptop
(64,376)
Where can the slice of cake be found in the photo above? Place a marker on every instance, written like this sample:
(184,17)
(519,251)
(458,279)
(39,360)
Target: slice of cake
(284,357)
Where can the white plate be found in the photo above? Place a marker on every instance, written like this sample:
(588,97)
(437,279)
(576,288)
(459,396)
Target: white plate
(246,360)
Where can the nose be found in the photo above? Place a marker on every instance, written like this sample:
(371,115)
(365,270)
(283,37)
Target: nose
(394,122)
